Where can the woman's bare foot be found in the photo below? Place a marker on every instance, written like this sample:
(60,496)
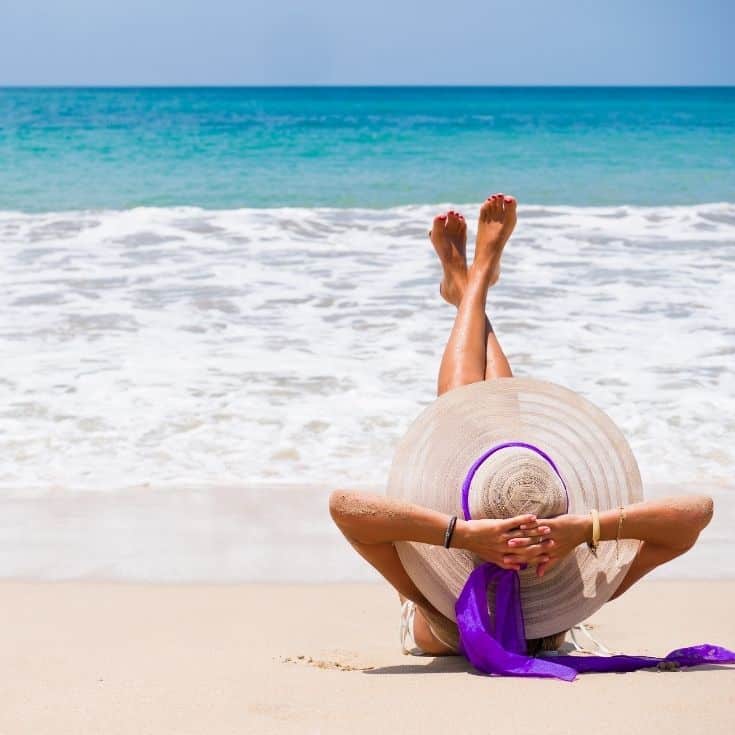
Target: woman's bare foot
(449,238)
(494,227)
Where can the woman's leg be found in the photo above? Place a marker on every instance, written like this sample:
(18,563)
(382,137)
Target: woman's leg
(472,347)
(473,352)
(497,365)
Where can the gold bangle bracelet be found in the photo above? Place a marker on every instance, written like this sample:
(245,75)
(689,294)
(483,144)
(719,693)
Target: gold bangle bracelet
(621,518)
(595,531)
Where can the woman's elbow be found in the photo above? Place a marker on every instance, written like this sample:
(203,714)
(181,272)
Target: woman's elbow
(339,506)
(351,511)
(698,514)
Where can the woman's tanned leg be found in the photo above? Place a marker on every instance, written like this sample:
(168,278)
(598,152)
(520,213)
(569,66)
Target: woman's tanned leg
(473,352)
(496,363)
(464,359)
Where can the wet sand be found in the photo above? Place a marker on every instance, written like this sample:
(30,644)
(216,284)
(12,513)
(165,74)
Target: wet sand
(237,533)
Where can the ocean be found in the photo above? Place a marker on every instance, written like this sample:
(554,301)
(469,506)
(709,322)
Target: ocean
(235,285)
(229,148)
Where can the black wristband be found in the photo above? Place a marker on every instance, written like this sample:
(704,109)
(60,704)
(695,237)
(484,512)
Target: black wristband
(450,531)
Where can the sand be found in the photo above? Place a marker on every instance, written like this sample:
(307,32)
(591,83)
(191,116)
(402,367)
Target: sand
(89,657)
(153,610)
(237,533)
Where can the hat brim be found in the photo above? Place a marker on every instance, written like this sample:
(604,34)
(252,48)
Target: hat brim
(593,458)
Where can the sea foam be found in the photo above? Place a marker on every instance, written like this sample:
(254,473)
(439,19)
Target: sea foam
(296,345)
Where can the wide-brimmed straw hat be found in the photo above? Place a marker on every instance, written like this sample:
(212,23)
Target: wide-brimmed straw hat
(501,448)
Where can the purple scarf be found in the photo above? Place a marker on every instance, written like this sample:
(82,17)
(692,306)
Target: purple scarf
(498,646)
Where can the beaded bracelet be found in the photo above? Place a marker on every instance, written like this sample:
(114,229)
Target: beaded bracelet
(449,531)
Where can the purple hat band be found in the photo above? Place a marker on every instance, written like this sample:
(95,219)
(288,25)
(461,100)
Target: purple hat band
(506,445)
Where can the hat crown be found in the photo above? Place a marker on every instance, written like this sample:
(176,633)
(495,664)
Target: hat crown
(513,481)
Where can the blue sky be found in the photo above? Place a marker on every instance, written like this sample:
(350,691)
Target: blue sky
(197,42)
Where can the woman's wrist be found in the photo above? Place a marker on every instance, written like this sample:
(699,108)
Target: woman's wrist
(462,534)
(584,524)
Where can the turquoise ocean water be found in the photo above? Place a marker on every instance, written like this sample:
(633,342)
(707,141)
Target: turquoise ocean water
(63,149)
(210,286)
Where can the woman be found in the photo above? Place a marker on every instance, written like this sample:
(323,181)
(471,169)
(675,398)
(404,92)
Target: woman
(377,525)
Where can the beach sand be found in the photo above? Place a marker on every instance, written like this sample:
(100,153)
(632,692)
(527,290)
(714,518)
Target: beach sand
(242,609)
(87,657)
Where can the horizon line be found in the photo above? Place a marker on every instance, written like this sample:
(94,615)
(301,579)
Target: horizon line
(368,86)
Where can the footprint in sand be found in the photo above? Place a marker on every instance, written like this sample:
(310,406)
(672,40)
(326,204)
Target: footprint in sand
(324,663)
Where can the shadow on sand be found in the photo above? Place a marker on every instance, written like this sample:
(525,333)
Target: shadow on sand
(459,665)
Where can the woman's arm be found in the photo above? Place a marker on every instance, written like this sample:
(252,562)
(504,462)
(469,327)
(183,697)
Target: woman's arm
(667,527)
(369,519)
(372,523)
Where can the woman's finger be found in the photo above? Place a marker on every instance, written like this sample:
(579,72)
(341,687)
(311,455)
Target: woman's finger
(512,559)
(544,566)
(517,533)
(520,542)
(530,545)
(535,532)
(515,566)
(530,554)
(546,521)
(511,523)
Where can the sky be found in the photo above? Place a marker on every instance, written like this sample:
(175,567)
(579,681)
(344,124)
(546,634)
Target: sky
(273,42)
